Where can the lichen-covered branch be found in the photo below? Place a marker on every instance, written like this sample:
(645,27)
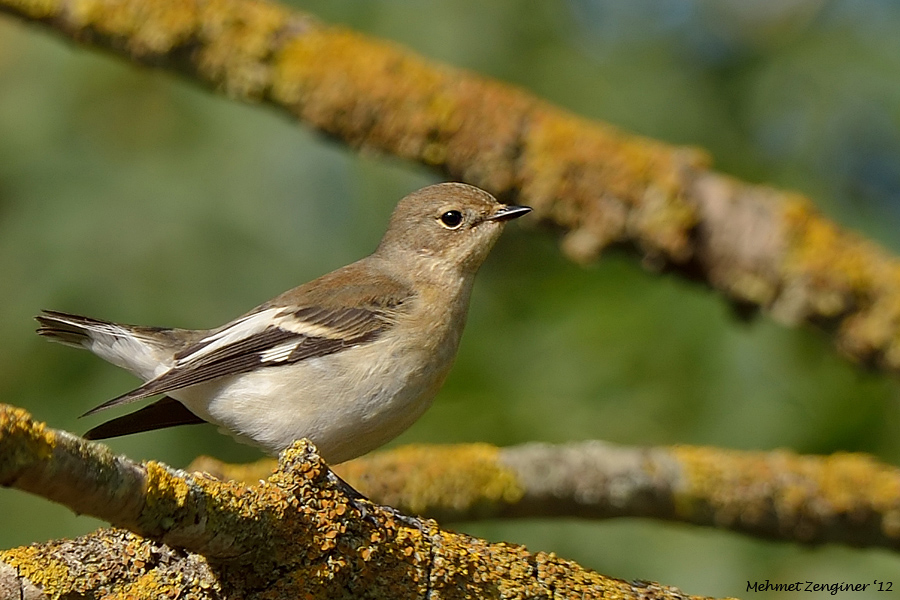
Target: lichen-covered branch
(301,533)
(150,499)
(758,246)
(844,498)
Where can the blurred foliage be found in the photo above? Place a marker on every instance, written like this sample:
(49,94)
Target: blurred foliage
(131,195)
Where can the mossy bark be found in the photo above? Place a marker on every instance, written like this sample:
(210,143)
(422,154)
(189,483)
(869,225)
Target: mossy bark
(301,533)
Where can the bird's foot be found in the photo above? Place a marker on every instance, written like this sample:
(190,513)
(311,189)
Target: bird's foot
(365,506)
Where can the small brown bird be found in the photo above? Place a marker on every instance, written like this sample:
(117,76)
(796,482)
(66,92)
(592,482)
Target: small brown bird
(348,360)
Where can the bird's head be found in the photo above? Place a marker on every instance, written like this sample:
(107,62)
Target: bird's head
(452,225)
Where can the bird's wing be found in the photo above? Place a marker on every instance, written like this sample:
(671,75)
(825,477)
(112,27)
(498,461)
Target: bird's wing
(271,337)
(165,412)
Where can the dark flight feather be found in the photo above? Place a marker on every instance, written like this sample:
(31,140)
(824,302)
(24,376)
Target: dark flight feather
(165,412)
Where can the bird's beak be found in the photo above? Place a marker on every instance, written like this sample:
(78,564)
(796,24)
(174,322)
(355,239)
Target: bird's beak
(508,213)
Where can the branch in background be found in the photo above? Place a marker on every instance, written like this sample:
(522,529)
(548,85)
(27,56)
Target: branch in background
(760,247)
(844,498)
(298,534)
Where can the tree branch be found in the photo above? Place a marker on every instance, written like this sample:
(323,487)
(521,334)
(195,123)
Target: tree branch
(843,498)
(758,246)
(297,534)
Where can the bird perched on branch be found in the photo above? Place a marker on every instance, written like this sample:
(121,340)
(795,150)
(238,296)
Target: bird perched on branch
(348,360)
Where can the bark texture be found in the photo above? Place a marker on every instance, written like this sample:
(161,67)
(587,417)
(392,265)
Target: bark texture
(843,498)
(301,533)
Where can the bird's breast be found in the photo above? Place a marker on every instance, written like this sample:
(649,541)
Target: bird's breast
(347,403)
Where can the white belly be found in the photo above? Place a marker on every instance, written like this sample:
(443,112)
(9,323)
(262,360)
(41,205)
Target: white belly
(347,403)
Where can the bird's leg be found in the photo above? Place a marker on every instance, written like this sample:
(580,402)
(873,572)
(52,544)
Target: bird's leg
(359,501)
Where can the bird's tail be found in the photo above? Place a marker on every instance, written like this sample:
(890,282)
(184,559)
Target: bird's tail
(74,330)
(145,351)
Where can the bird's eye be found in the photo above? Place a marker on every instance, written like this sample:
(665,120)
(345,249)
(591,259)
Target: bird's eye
(451,219)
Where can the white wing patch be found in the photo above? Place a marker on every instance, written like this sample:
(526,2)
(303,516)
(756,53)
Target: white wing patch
(292,323)
(238,330)
(255,324)
(279,353)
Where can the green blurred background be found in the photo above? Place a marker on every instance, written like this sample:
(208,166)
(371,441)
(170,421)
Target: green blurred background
(132,195)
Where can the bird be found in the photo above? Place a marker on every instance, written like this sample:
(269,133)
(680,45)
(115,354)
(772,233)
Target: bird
(348,360)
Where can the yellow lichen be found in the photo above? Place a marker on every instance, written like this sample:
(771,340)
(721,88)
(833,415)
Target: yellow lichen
(247,473)
(238,37)
(580,172)
(23,441)
(150,26)
(164,488)
(822,251)
(420,478)
(33,564)
(37,9)
(340,81)
(749,488)
(839,270)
